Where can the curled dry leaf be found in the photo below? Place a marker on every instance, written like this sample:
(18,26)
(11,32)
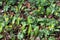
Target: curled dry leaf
(58,3)
(27,4)
(50,16)
(1,11)
(37,38)
(31,12)
(11,13)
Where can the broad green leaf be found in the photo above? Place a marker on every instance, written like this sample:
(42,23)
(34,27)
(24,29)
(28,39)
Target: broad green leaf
(1,28)
(20,4)
(36,30)
(0,3)
(51,1)
(1,36)
(29,20)
(48,11)
(13,20)
(6,7)
(23,26)
(18,21)
(10,2)
(20,36)
(51,38)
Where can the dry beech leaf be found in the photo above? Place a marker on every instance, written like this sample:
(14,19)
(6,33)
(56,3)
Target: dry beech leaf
(58,3)
(37,38)
(31,12)
(27,4)
(11,13)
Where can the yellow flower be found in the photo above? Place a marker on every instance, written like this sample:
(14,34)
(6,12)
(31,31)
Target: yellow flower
(39,9)
(10,26)
(56,13)
(6,19)
(51,27)
(4,14)
(16,8)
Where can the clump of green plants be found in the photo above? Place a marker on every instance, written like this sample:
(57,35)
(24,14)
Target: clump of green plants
(29,19)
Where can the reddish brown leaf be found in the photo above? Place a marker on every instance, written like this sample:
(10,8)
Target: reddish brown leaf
(27,4)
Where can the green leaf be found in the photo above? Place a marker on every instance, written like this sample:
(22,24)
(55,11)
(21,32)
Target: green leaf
(46,32)
(11,2)
(29,29)
(51,38)
(1,36)
(20,4)
(13,20)
(51,1)
(29,20)
(20,36)
(56,30)
(0,3)
(43,1)
(6,7)
(18,21)
(23,26)
(13,8)
(48,11)
(58,27)
(1,28)
(36,30)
